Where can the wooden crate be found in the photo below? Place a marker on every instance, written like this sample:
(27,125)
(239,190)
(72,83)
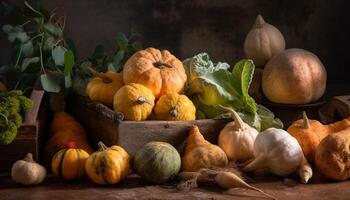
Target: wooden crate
(29,136)
(104,124)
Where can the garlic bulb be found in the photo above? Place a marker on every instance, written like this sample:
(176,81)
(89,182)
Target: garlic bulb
(277,151)
(27,171)
(237,138)
(262,42)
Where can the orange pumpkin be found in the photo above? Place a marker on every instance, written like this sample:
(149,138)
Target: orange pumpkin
(63,121)
(160,71)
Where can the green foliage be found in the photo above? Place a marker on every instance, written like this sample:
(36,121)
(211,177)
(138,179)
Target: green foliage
(12,105)
(213,84)
(39,48)
(100,61)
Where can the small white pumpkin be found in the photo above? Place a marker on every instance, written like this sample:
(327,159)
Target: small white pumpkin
(262,42)
(277,151)
(27,171)
(237,138)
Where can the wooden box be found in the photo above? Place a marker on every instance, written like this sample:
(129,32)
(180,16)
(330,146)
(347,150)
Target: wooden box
(29,135)
(104,124)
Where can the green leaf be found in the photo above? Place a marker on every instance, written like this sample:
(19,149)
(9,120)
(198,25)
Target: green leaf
(28,61)
(53,29)
(70,43)
(98,52)
(58,55)
(122,41)
(68,62)
(211,84)
(27,49)
(85,64)
(52,82)
(49,42)
(118,57)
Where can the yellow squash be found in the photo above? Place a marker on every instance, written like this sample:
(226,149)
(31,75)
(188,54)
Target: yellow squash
(108,165)
(175,107)
(69,163)
(135,101)
(103,87)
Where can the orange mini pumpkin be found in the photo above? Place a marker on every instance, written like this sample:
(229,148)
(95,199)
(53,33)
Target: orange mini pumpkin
(160,71)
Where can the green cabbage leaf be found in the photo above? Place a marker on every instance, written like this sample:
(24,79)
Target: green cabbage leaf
(210,84)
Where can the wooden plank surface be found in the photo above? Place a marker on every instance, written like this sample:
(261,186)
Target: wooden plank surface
(134,188)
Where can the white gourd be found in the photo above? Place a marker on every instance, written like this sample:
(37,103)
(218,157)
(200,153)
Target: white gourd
(237,138)
(27,171)
(277,151)
(262,42)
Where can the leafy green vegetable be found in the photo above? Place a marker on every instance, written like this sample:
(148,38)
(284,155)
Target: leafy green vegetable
(212,84)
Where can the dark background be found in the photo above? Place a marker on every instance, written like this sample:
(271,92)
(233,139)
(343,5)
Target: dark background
(217,27)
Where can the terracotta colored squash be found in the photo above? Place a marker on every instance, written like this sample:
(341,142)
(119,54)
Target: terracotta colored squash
(64,129)
(103,87)
(310,133)
(108,165)
(294,76)
(332,156)
(63,121)
(69,163)
(3,87)
(175,107)
(135,101)
(262,42)
(157,162)
(199,153)
(160,71)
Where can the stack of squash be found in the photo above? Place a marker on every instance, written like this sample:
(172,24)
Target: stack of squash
(149,87)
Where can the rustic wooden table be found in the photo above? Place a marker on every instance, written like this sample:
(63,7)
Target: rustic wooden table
(134,188)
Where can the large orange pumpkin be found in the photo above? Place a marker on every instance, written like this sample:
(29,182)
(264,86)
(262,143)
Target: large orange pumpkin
(160,71)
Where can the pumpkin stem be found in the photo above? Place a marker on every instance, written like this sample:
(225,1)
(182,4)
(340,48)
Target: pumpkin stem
(161,65)
(259,21)
(306,120)
(29,157)
(104,78)
(238,121)
(174,111)
(102,147)
(142,100)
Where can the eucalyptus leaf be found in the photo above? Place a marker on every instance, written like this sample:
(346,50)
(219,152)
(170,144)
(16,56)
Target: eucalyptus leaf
(98,52)
(28,61)
(27,49)
(53,29)
(58,55)
(49,42)
(85,64)
(68,62)
(52,82)
(118,57)
(122,41)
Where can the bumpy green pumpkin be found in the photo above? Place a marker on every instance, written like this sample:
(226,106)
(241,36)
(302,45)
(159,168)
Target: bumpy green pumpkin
(157,162)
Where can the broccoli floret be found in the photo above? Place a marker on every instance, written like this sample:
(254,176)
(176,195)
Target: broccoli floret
(8,133)
(12,104)
(26,103)
(16,119)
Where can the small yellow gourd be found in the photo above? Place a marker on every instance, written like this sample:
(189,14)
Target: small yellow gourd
(175,107)
(199,153)
(109,165)
(135,101)
(69,163)
(103,87)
